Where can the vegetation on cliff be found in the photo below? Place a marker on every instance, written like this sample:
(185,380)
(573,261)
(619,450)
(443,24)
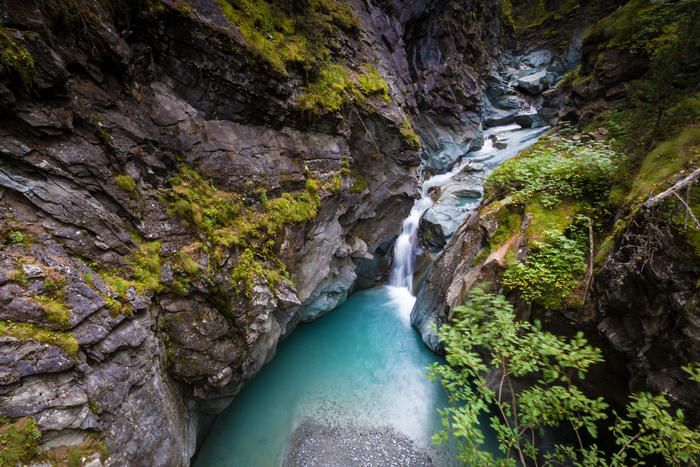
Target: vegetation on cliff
(556,190)
(226,220)
(548,371)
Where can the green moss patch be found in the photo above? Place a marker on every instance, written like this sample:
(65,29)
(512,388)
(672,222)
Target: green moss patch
(338,85)
(25,332)
(225,222)
(19,441)
(545,220)
(126,183)
(280,33)
(15,58)
(666,160)
(410,134)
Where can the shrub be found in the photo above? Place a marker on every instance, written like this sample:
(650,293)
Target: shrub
(487,348)
(556,168)
(550,273)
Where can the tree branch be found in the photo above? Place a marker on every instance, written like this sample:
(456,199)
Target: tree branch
(690,211)
(654,200)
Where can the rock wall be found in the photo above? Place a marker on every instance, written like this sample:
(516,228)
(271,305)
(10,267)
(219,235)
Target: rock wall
(643,302)
(106,338)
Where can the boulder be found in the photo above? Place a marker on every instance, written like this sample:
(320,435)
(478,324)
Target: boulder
(534,83)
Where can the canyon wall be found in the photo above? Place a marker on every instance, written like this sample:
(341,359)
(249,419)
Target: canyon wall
(632,99)
(182,182)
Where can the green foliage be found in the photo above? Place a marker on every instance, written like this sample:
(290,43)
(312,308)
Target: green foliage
(410,135)
(224,222)
(338,85)
(550,273)
(484,335)
(15,58)
(19,441)
(693,371)
(17,238)
(126,183)
(650,428)
(24,332)
(281,34)
(555,168)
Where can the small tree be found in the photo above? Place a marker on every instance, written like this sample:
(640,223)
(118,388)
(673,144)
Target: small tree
(487,348)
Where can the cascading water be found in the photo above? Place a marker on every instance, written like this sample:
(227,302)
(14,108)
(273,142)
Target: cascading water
(406,247)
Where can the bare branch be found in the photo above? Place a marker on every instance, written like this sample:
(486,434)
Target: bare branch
(690,211)
(654,200)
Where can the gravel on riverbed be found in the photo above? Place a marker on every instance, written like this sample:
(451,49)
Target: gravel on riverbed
(313,445)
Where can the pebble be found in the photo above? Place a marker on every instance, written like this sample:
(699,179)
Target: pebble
(314,445)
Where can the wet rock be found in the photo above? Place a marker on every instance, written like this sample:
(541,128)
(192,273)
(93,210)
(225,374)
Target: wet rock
(534,83)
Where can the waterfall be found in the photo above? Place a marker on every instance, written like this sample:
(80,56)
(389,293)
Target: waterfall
(406,245)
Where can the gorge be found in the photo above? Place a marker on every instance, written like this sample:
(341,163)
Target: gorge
(236,232)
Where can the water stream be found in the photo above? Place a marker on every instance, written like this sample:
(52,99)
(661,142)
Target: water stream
(361,365)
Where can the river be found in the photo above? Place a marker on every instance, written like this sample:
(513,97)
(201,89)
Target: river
(362,365)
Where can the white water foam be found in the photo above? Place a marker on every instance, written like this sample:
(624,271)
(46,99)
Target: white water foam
(406,246)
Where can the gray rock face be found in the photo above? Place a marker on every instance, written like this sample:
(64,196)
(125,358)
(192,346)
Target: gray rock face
(87,159)
(534,83)
(444,287)
(648,308)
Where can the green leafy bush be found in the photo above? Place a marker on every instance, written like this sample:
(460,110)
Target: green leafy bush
(550,273)
(556,168)
(485,336)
